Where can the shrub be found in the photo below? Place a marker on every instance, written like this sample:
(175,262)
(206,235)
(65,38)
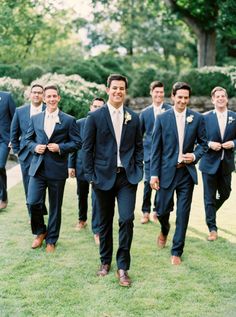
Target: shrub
(76,93)
(12,71)
(30,73)
(14,86)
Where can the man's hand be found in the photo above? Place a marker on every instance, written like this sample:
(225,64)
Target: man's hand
(188,158)
(228,145)
(40,148)
(215,146)
(71,172)
(154,183)
(53,147)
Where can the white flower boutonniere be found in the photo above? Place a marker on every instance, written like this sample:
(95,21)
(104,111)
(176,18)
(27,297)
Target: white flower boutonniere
(230,120)
(128,117)
(57,120)
(189,119)
(163,110)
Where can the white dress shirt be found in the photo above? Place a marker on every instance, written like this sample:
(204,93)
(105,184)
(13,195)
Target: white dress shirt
(35,110)
(50,121)
(157,110)
(117,118)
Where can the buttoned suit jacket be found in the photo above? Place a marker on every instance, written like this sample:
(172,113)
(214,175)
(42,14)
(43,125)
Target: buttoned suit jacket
(65,134)
(100,148)
(75,158)
(165,145)
(7,109)
(211,160)
(19,128)
(147,120)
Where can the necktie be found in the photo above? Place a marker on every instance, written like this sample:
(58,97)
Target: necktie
(49,126)
(117,126)
(222,125)
(180,128)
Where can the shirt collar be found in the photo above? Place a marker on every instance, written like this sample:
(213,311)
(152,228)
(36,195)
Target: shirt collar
(180,114)
(36,109)
(112,109)
(52,114)
(221,113)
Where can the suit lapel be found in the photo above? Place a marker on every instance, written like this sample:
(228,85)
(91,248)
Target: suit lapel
(173,123)
(124,125)
(216,123)
(108,119)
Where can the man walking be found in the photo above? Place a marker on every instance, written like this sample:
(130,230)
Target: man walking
(147,119)
(112,160)
(52,135)
(179,141)
(7,109)
(217,164)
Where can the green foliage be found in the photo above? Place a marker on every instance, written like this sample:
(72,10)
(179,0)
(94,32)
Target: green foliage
(76,93)
(15,87)
(30,73)
(11,70)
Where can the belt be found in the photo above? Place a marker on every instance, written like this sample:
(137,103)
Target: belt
(180,165)
(120,170)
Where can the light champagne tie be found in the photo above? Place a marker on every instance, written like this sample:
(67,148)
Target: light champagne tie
(49,126)
(180,126)
(117,126)
(222,125)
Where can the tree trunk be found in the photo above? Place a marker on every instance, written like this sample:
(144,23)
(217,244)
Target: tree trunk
(206,48)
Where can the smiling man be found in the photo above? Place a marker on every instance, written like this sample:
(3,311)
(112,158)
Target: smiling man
(217,164)
(113,163)
(179,141)
(51,136)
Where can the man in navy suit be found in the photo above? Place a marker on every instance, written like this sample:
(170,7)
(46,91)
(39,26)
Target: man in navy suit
(76,169)
(147,119)
(7,109)
(19,127)
(113,163)
(179,141)
(218,163)
(51,136)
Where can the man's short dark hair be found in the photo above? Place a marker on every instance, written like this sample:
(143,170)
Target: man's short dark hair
(117,77)
(181,85)
(36,85)
(155,84)
(218,88)
(98,99)
(54,87)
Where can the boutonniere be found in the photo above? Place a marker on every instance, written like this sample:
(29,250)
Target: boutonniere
(128,117)
(163,110)
(57,120)
(189,119)
(230,120)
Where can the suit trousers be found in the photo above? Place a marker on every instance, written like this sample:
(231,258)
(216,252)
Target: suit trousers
(217,188)
(126,196)
(36,195)
(25,165)
(4,151)
(183,185)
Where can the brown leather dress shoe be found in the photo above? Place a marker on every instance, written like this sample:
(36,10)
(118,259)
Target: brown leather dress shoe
(154,217)
(145,218)
(124,279)
(80,225)
(38,241)
(161,240)
(103,270)
(96,239)
(3,204)
(175,260)
(212,236)
(50,248)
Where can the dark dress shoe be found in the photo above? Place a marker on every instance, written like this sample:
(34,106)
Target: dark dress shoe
(103,270)
(161,240)
(38,241)
(123,277)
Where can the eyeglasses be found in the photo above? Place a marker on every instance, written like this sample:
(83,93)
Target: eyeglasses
(36,92)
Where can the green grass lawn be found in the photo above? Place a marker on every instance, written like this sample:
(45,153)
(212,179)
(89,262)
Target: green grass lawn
(33,283)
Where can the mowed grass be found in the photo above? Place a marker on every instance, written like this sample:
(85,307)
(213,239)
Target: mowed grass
(33,283)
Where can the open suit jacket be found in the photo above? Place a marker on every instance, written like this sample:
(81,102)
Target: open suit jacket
(100,148)
(210,162)
(7,109)
(147,120)
(75,158)
(165,146)
(19,128)
(65,134)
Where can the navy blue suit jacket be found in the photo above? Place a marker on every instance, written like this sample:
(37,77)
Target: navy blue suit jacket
(147,120)
(7,109)
(100,149)
(165,145)
(75,158)
(19,128)
(65,134)
(211,160)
